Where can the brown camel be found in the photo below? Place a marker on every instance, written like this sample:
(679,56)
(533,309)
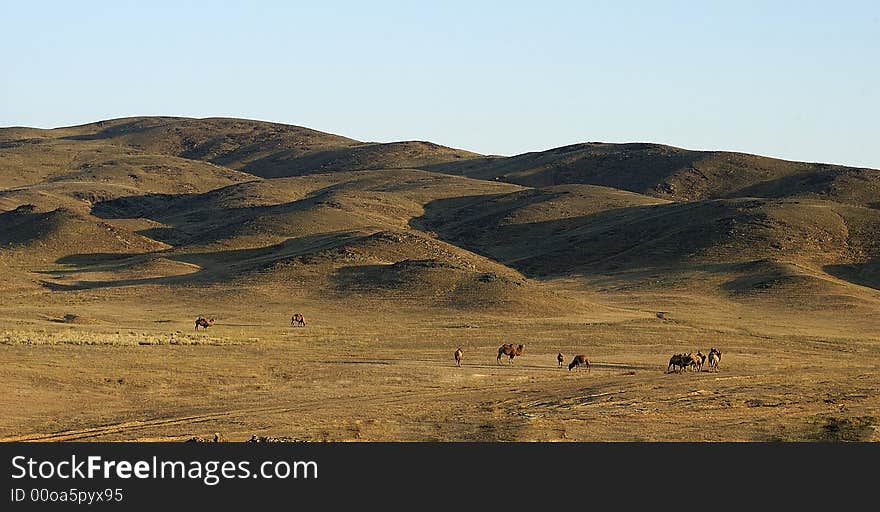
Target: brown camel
(510,351)
(578,361)
(204,322)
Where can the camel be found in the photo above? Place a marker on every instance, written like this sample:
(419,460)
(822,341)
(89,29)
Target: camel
(559,360)
(714,359)
(204,322)
(578,361)
(698,361)
(458,354)
(682,361)
(510,350)
(298,319)
(675,360)
(687,361)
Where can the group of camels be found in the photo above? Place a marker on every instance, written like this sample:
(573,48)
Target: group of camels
(297,319)
(511,351)
(680,361)
(695,361)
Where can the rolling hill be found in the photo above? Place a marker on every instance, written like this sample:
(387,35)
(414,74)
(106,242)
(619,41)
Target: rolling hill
(676,174)
(179,202)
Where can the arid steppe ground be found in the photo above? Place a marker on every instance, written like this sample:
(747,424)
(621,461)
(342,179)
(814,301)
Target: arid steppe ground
(385,375)
(115,236)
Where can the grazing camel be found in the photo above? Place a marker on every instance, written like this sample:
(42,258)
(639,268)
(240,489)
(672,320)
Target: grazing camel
(675,360)
(688,361)
(216,439)
(298,319)
(510,350)
(698,361)
(714,359)
(559,360)
(458,354)
(204,322)
(578,361)
(682,361)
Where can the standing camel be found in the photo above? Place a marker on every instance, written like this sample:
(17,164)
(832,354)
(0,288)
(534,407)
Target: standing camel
(204,322)
(714,359)
(510,351)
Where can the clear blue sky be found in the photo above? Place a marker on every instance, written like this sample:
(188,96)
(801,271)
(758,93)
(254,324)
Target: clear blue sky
(790,79)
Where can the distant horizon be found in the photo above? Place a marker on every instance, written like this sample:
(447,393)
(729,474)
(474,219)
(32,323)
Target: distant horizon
(471,150)
(786,80)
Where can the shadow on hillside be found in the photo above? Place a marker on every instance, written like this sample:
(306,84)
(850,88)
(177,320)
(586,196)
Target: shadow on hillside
(648,238)
(410,277)
(151,206)
(213,266)
(807,181)
(867,274)
(620,239)
(354,157)
(292,163)
(637,167)
(114,130)
(196,219)
(102,262)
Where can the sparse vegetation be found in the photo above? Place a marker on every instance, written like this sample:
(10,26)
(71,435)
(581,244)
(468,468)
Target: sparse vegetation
(113,235)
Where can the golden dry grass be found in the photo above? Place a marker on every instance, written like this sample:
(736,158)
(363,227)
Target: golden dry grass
(138,226)
(378,373)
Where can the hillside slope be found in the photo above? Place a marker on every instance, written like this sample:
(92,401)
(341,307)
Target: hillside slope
(677,174)
(250,205)
(260,148)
